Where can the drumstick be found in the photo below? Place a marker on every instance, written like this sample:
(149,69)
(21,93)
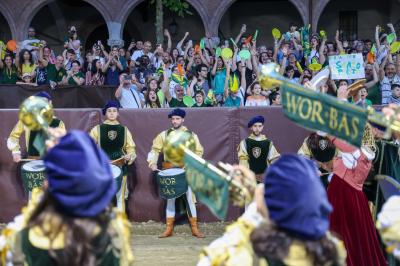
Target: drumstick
(117,160)
(27,160)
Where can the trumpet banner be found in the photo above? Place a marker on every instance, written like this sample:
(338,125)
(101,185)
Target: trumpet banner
(317,111)
(209,188)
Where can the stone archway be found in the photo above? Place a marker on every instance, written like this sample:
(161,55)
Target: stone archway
(224,5)
(52,18)
(261,16)
(26,13)
(198,8)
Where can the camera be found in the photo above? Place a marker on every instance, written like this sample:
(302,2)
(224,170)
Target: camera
(128,77)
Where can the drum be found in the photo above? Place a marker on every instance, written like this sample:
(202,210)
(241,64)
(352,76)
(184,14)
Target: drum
(117,175)
(172,183)
(33,174)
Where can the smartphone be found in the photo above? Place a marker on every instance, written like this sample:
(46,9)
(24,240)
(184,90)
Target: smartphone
(128,77)
(99,42)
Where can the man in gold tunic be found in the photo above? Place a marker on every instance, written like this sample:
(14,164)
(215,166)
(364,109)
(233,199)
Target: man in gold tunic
(177,118)
(257,151)
(117,142)
(13,140)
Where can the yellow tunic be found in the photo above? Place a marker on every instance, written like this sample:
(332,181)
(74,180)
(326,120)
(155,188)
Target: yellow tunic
(244,156)
(129,145)
(19,128)
(234,247)
(159,142)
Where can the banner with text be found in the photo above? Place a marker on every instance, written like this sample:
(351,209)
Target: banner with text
(319,111)
(348,66)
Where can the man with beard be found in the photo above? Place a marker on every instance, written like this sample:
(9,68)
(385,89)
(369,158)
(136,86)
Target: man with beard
(179,92)
(257,151)
(388,74)
(177,118)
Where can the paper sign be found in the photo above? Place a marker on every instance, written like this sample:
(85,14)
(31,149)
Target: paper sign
(349,66)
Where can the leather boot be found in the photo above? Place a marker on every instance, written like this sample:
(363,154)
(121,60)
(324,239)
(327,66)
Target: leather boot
(169,230)
(195,230)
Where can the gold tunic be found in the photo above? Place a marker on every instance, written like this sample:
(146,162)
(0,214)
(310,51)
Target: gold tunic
(159,143)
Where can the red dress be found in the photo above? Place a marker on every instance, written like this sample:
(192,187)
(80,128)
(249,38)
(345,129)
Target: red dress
(351,218)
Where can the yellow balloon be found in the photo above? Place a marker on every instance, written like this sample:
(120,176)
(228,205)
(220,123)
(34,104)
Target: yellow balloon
(276,33)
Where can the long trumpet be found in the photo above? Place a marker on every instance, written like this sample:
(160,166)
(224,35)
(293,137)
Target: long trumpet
(241,187)
(269,77)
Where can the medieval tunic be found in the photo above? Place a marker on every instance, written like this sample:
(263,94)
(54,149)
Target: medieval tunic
(257,153)
(19,128)
(116,141)
(158,146)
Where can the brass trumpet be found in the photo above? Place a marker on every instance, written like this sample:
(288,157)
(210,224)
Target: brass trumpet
(269,77)
(36,113)
(241,188)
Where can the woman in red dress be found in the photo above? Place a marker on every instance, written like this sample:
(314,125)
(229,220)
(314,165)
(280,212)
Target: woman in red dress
(351,218)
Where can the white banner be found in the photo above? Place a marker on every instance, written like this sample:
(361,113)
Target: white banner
(348,66)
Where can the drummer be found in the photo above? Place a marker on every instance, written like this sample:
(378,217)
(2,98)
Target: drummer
(177,118)
(117,142)
(19,128)
(319,148)
(257,151)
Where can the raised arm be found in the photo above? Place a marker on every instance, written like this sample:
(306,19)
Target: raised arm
(382,68)
(180,43)
(322,57)
(375,79)
(339,44)
(165,86)
(242,31)
(169,40)
(214,69)
(377,41)
(228,75)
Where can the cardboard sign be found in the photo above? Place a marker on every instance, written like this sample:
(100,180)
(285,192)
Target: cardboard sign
(349,66)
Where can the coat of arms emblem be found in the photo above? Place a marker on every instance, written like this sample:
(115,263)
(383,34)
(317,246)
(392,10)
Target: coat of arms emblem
(112,134)
(256,151)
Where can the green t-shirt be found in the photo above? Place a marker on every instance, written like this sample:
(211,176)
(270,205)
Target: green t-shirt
(55,75)
(374,94)
(9,77)
(71,81)
(176,103)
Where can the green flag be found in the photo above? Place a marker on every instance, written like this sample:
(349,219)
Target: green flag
(319,111)
(209,188)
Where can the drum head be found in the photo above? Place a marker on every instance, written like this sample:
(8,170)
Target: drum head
(171,172)
(116,171)
(34,166)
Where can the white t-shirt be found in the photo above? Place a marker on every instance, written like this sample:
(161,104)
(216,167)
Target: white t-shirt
(138,53)
(130,98)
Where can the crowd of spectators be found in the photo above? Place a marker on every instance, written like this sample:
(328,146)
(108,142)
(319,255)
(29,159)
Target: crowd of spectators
(195,74)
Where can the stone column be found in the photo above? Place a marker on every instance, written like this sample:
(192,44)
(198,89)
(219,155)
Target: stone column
(114,34)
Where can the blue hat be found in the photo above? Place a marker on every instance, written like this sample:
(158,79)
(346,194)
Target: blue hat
(295,197)
(43,94)
(110,104)
(79,175)
(177,112)
(256,119)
